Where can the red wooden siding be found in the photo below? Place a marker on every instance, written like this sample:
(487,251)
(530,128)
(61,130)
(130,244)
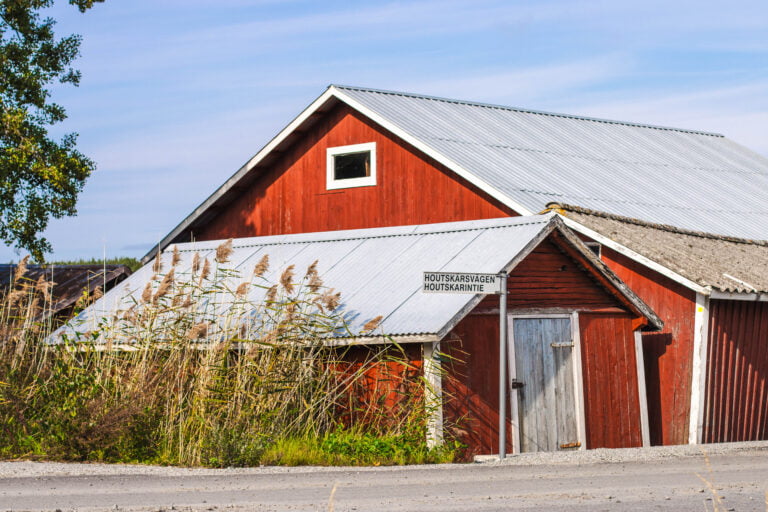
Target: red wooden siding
(471,385)
(609,368)
(548,278)
(291,196)
(736,400)
(381,385)
(668,354)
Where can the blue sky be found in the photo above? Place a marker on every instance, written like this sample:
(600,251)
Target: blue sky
(177,94)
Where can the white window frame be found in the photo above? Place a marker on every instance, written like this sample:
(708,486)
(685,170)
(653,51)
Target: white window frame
(366,181)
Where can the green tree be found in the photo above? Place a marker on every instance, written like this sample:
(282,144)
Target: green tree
(40,178)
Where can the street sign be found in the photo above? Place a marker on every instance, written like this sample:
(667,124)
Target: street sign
(461,282)
(467,282)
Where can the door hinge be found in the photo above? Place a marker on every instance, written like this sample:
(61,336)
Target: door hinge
(516,384)
(570,445)
(561,345)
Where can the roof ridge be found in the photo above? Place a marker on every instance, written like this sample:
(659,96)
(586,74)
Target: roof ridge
(556,207)
(524,110)
(534,219)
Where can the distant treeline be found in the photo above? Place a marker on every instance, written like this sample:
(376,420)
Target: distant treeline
(132,263)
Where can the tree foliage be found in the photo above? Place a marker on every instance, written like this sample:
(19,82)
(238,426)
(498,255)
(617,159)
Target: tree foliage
(40,177)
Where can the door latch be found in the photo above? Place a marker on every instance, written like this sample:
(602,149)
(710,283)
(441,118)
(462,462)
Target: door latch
(516,384)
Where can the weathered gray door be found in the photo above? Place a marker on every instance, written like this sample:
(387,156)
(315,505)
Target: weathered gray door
(543,358)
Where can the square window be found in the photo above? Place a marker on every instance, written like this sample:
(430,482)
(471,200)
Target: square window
(351,166)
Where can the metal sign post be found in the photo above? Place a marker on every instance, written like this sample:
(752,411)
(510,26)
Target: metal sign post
(481,284)
(503,366)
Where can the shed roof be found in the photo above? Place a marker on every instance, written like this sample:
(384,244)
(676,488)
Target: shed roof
(380,271)
(69,281)
(526,159)
(727,264)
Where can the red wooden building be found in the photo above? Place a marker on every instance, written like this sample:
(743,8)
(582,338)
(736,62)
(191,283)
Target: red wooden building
(574,328)
(712,291)
(361,158)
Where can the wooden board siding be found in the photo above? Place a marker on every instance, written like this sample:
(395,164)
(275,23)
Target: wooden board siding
(668,354)
(548,278)
(291,196)
(736,400)
(471,385)
(382,385)
(609,370)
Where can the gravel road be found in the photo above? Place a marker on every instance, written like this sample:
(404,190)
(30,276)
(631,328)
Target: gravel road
(711,477)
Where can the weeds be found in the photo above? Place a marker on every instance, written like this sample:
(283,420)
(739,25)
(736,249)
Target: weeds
(205,366)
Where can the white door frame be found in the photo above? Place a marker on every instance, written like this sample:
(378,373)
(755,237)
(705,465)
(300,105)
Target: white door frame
(577,375)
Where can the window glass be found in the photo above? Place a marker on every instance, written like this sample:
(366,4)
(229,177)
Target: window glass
(352,165)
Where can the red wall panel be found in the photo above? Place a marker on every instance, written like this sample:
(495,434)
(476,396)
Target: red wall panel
(736,398)
(291,196)
(609,369)
(548,278)
(471,385)
(668,354)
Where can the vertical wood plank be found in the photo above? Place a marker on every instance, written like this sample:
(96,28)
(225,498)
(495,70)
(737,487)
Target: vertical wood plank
(736,407)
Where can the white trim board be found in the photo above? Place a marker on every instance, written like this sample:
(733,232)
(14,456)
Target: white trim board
(578,377)
(642,395)
(699,370)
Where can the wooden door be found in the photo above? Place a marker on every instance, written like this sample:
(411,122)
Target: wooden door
(546,399)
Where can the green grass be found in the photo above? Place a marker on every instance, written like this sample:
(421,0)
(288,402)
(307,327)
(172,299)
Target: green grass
(357,448)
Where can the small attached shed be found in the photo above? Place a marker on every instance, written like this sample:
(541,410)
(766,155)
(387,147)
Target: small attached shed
(576,373)
(707,371)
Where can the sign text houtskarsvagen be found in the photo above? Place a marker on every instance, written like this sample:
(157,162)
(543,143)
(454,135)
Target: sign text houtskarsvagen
(461,282)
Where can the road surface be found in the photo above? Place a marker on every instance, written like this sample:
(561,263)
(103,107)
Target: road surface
(712,477)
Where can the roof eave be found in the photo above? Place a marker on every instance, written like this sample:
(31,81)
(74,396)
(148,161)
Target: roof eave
(330,94)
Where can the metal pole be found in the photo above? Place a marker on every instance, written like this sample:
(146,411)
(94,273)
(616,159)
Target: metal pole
(503,366)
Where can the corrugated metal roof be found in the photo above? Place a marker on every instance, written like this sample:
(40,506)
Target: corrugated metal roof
(690,179)
(526,159)
(378,271)
(721,263)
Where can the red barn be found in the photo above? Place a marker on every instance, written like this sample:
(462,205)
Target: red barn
(574,328)
(362,158)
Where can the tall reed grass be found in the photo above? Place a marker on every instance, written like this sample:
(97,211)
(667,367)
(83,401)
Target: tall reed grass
(208,367)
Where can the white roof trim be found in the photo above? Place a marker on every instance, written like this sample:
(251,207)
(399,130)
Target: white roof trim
(333,92)
(421,146)
(636,257)
(232,181)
